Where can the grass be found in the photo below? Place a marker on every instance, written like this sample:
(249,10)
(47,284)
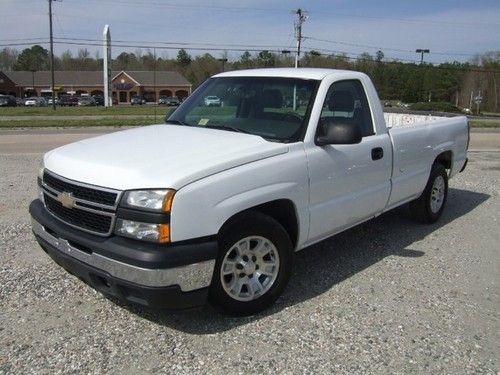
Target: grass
(113,116)
(85,111)
(63,123)
(485,123)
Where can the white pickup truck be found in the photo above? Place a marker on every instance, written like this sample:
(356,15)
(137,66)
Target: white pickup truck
(213,203)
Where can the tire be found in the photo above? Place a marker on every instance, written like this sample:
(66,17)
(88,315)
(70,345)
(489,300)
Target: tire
(429,206)
(252,243)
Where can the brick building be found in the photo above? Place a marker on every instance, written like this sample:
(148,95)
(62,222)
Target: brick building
(149,85)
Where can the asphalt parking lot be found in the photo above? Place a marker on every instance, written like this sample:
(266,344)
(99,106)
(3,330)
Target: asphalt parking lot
(389,296)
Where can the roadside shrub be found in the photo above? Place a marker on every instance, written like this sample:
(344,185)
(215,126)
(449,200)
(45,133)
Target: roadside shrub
(435,106)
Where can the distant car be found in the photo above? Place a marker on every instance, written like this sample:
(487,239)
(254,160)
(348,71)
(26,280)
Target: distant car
(86,101)
(68,101)
(7,101)
(49,100)
(137,99)
(99,99)
(467,111)
(212,101)
(20,101)
(169,101)
(387,104)
(35,102)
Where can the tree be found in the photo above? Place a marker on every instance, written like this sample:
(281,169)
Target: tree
(183,58)
(8,57)
(266,59)
(34,58)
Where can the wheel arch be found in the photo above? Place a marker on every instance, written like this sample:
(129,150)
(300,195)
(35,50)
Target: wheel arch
(281,210)
(445,159)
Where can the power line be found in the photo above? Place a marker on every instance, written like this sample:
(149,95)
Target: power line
(175,46)
(383,48)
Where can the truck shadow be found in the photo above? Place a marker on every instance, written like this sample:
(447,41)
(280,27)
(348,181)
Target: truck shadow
(329,262)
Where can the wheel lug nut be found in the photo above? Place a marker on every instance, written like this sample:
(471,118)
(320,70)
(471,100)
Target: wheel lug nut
(254,258)
(242,275)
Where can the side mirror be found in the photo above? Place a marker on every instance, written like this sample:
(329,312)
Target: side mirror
(340,134)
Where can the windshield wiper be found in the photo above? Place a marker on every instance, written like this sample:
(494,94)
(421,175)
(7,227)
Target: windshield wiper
(226,127)
(177,122)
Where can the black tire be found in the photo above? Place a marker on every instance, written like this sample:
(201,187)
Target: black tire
(248,225)
(421,208)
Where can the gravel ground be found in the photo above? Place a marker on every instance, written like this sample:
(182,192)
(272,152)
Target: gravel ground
(389,296)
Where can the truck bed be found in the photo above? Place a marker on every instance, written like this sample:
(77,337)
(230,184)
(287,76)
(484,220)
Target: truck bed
(393,120)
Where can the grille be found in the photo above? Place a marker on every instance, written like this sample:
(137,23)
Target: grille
(82,192)
(93,209)
(84,219)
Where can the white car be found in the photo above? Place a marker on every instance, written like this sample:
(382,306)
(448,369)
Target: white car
(213,205)
(35,102)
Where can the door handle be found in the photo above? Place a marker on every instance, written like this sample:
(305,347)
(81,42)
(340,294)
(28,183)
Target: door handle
(377,153)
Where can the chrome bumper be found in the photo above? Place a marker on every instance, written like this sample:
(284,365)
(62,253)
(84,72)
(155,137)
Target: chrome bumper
(188,278)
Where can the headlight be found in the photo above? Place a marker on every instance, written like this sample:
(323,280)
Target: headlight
(154,200)
(143,231)
(39,182)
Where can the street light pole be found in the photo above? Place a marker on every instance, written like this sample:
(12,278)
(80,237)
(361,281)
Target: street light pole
(422,51)
(52,56)
(223,61)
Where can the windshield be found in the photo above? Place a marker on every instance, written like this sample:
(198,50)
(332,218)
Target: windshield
(274,108)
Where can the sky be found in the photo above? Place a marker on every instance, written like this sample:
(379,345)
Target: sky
(452,30)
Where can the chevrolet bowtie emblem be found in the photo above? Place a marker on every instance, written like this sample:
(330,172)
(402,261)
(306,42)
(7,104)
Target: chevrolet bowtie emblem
(66,199)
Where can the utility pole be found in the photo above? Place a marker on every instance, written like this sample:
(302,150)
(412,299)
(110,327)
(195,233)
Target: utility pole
(301,18)
(52,56)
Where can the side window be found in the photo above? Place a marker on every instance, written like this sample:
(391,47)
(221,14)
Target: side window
(346,102)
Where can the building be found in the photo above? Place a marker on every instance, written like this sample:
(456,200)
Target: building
(147,84)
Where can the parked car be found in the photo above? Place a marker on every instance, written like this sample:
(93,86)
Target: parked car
(86,101)
(49,100)
(169,101)
(137,100)
(212,101)
(7,101)
(20,101)
(221,214)
(68,100)
(99,99)
(35,101)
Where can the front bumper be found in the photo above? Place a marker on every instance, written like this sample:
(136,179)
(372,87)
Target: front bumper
(173,277)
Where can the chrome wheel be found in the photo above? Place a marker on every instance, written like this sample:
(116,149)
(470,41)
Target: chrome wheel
(249,268)
(437,194)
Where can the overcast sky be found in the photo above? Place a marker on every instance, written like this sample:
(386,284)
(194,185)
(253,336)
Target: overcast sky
(452,30)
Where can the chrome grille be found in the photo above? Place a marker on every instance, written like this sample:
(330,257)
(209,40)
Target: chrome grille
(90,208)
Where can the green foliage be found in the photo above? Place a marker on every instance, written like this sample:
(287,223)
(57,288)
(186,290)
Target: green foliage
(34,58)
(183,58)
(435,106)
(449,82)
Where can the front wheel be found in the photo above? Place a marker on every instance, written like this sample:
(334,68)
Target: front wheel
(430,205)
(253,265)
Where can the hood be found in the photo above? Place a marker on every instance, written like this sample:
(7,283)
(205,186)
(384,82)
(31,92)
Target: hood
(157,156)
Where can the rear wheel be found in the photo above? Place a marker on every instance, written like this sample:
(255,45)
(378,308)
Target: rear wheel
(253,265)
(430,205)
